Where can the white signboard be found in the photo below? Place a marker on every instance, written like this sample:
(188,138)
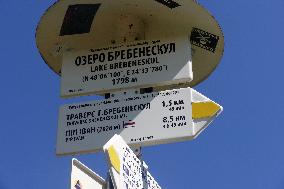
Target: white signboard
(141,119)
(133,65)
(127,171)
(83,178)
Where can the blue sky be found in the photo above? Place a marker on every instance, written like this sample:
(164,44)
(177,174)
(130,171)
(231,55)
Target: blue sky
(243,148)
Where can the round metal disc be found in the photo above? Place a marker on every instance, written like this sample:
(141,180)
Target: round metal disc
(90,24)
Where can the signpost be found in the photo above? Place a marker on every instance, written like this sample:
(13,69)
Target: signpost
(119,48)
(84,178)
(133,65)
(141,119)
(126,170)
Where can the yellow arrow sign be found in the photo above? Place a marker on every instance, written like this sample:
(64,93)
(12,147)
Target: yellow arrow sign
(202,110)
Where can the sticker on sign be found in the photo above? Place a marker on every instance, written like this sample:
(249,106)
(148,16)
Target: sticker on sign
(133,65)
(127,171)
(141,119)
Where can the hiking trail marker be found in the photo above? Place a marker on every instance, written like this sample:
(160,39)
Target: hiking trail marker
(141,119)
